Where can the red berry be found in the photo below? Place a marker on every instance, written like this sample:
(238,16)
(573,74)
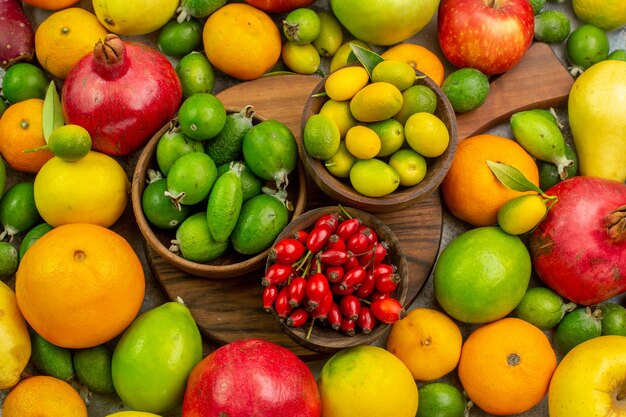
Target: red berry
(348,228)
(301,236)
(333,257)
(297,317)
(347,326)
(330,220)
(337,289)
(387,283)
(376,256)
(297,291)
(359,244)
(316,289)
(350,306)
(318,238)
(369,232)
(353,277)
(333,317)
(352,262)
(287,251)
(335,242)
(270,293)
(367,287)
(379,296)
(388,310)
(281,305)
(321,310)
(334,273)
(366,320)
(383,269)
(277,274)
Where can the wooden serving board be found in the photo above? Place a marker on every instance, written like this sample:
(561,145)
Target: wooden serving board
(227,310)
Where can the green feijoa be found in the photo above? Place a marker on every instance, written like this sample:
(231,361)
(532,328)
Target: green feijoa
(226,146)
(587,45)
(201,116)
(576,327)
(195,242)
(93,368)
(180,38)
(613,319)
(549,174)
(250,183)
(261,220)
(537,5)
(196,74)
(198,8)
(18,211)
(270,150)
(3,106)
(32,236)
(617,55)
(159,209)
(50,359)
(545,113)
(171,146)
(190,178)
(9,260)
(466,88)
(551,26)
(302,25)
(3,176)
(542,307)
(225,201)
(331,35)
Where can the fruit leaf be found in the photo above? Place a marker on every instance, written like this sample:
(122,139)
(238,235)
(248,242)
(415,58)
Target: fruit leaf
(52,111)
(512,177)
(367,58)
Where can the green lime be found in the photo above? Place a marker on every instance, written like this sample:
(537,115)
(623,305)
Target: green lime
(32,236)
(227,145)
(391,134)
(178,39)
(411,166)
(93,368)
(202,116)
(549,174)
(522,214)
(613,319)
(159,209)
(191,178)
(18,211)
(300,58)
(542,307)
(552,26)
(251,185)
(576,327)
(196,74)
(302,25)
(341,162)
(171,146)
(23,81)
(321,136)
(416,99)
(70,142)
(50,359)
(537,5)
(587,45)
(195,242)
(466,88)
(440,399)
(399,73)
(618,55)
(9,260)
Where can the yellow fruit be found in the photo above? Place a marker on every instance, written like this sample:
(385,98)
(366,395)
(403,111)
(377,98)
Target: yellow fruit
(132,414)
(398,73)
(608,15)
(91,190)
(340,59)
(411,166)
(344,83)
(419,57)
(339,112)
(65,37)
(376,102)
(15,346)
(320,136)
(43,396)
(521,214)
(373,177)
(362,142)
(428,342)
(426,134)
(341,162)
(137,17)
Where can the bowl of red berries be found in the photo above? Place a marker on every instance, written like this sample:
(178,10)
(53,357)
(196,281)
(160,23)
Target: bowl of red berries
(336,277)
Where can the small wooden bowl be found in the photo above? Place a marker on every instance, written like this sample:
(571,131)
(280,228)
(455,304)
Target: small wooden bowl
(231,264)
(325,339)
(342,191)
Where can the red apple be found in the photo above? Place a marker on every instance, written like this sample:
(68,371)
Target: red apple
(279,6)
(251,377)
(489,35)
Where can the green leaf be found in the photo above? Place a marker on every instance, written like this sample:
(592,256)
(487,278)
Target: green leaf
(52,111)
(369,59)
(512,177)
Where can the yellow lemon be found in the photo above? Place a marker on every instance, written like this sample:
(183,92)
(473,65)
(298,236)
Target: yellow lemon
(339,112)
(15,347)
(344,83)
(362,142)
(426,134)
(411,166)
(521,214)
(608,15)
(376,102)
(398,73)
(133,18)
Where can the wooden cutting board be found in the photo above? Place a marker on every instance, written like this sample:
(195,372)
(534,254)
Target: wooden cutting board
(227,310)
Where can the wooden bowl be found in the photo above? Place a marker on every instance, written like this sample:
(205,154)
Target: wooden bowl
(231,264)
(342,191)
(324,339)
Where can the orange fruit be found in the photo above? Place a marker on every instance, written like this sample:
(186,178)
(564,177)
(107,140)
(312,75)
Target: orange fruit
(51,4)
(43,396)
(21,129)
(419,58)
(79,285)
(241,41)
(65,37)
(428,342)
(506,366)
(471,191)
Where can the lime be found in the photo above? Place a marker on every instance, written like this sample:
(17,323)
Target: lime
(522,214)
(171,146)
(202,116)
(32,236)
(426,134)
(391,134)
(416,99)
(537,5)
(613,319)
(376,102)
(331,35)
(549,174)
(321,136)
(440,399)
(374,178)
(302,26)
(93,368)
(23,81)
(362,142)
(159,209)
(587,45)
(344,83)
(191,178)
(576,327)
(194,240)
(542,307)
(341,162)
(399,73)
(18,211)
(410,165)
(196,74)
(618,55)
(70,142)
(466,88)
(9,260)
(339,112)
(300,58)
(482,275)
(178,39)
(552,26)
(50,359)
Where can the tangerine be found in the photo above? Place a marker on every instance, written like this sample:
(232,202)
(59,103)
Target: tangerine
(80,285)
(43,395)
(471,191)
(419,57)
(51,4)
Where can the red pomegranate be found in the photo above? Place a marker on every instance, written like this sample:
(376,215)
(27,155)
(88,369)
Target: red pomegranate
(122,93)
(579,249)
(251,377)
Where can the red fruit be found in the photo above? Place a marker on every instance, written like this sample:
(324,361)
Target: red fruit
(350,306)
(316,289)
(270,293)
(337,243)
(366,320)
(287,251)
(17,38)
(334,317)
(387,283)
(251,377)
(301,236)
(376,296)
(279,6)
(297,317)
(383,269)
(369,233)
(281,305)
(348,326)
(347,228)
(579,249)
(122,93)
(328,220)
(296,291)
(388,310)
(321,311)
(376,256)
(337,289)
(353,277)
(318,238)
(351,263)
(359,244)
(333,257)
(277,274)
(334,273)
(367,287)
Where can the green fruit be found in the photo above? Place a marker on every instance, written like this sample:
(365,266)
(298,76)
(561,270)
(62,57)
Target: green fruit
(23,81)
(391,134)
(330,37)
(399,73)
(300,58)
(159,209)
(225,203)
(341,162)
(587,45)
(154,356)
(440,399)
(261,220)
(3,106)
(482,275)
(198,8)
(542,307)
(302,26)
(613,319)
(618,55)
(271,152)
(191,178)
(93,369)
(9,260)
(537,5)
(551,26)
(466,88)
(373,177)
(3,176)
(549,173)
(227,145)
(32,236)
(416,99)
(251,185)
(340,58)
(171,146)
(18,211)
(195,242)
(576,327)
(201,116)
(70,142)
(50,359)
(196,74)
(320,136)
(178,39)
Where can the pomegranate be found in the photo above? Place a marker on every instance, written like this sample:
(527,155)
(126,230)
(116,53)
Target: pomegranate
(578,249)
(279,6)
(251,377)
(17,38)
(122,93)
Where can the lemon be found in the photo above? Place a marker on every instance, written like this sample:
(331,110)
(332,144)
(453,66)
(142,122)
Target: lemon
(410,165)
(339,112)
(133,18)
(341,162)
(426,134)
(399,73)
(391,134)
(340,58)
(522,214)
(416,99)
(606,14)
(70,142)
(320,136)
(374,178)
(362,142)
(375,102)
(344,83)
